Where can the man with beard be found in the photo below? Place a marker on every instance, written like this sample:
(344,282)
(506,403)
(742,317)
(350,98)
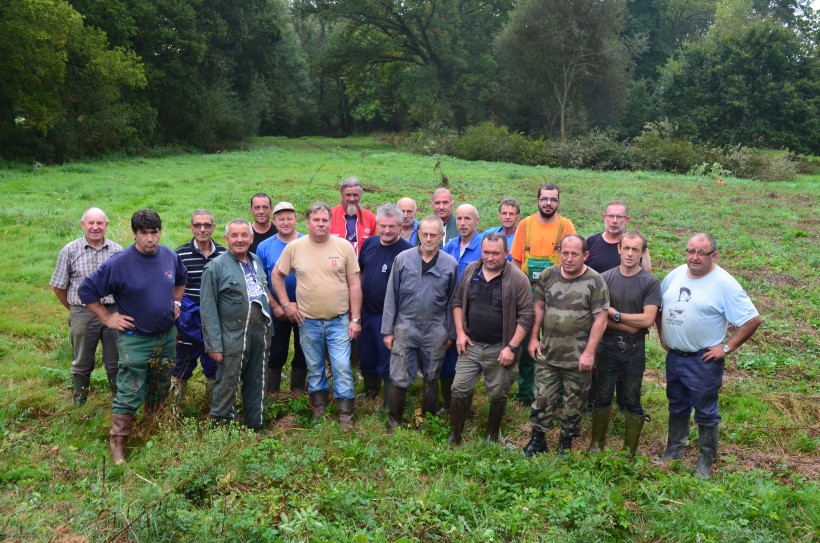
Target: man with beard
(348,220)
(535,249)
(263,228)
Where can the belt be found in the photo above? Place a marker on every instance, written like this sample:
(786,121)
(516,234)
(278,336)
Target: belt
(684,353)
(623,340)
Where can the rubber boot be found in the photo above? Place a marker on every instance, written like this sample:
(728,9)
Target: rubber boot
(81,385)
(209,388)
(318,401)
(458,412)
(385,392)
(177,393)
(495,418)
(121,428)
(345,411)
(564,444)
(112,381)
(446,394)
(430,398)
(708,438)
(600,424)
(273,380)
(537,443)
(395,407)
(676,441)
(371,387)
(633,425)
(298,379)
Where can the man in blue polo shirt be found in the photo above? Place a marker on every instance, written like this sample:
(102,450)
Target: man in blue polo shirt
(147,281)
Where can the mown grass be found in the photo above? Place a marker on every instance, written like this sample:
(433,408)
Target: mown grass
(186,481)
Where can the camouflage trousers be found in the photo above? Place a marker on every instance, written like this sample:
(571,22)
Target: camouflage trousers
(549,380)
(145,367)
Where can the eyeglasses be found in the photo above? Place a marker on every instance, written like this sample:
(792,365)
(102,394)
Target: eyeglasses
(615,217)
(545,200)
(429,235)
(701,254)
(201,225)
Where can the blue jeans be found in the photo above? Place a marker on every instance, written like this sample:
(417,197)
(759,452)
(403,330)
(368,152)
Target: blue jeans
(620,354)
(320,337)
(374,356)
(691,382)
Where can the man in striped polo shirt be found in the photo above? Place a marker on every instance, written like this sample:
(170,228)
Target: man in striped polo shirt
(194,254)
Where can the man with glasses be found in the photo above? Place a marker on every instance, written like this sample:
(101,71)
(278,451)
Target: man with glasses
(699,300)
(534,249)
(571,304)
(190,347)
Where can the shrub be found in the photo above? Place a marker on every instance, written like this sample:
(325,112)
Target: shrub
(489,142)
(435,138)
(659,148)
(755,164)
(595,150)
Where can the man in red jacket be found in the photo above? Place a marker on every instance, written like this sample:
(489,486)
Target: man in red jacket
(350,221)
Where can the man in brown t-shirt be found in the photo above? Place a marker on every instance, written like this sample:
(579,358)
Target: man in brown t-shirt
(329,290)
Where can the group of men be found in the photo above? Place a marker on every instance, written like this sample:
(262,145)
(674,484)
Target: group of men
(431,296)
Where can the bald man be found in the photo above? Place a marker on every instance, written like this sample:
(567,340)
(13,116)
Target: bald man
(409,226)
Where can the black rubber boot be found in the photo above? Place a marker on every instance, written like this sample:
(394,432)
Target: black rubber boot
(345,411)
(495,418)
(371,387)
(81,385)
(537,443)
(429,401)
(633,425)
(676,441)
(318,401)
(458,412)
(112,381)
(385,392)
(273,380)
(298,379)
(446,394)
(395,407)
(564,444)
(600,424)
(708,438)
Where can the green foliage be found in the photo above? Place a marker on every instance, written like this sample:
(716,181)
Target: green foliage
(659,147)
(596,150)
(489,142)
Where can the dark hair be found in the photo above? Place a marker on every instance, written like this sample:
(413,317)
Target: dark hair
(512,203)
(548,186)
(496,236)
(712,241)
(577,236)
(634,234)
(262,195)
(145,219)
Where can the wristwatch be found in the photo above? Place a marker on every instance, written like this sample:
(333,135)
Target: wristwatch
(726,349)
(178,304)
(357,320)
(513,348)
(617,316)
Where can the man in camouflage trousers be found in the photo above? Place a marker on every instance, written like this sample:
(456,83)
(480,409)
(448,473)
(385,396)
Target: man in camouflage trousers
(571,304)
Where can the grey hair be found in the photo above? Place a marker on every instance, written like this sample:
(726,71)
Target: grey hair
(709,238)
(202,212)
(93,210)
(350,182)
(318,206)
(238,222)
(388,210)
(433,219)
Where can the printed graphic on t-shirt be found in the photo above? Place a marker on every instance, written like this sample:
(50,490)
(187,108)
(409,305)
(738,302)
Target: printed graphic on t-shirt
(677,313)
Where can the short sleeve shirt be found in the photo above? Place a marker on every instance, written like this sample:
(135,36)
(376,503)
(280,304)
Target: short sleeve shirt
(77,260)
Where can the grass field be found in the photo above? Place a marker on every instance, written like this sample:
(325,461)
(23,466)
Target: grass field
(186,481)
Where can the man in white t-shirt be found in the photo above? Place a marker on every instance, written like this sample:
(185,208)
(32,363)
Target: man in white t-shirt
(699,300)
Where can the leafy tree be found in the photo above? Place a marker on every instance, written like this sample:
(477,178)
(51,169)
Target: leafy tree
(565,61)
(751,80)
(422,59)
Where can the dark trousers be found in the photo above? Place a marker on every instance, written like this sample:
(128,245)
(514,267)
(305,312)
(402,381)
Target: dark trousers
(374,356)
(280,346)
(623,355)
(691,382)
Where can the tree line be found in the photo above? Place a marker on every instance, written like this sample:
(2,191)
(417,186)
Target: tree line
(85,78)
